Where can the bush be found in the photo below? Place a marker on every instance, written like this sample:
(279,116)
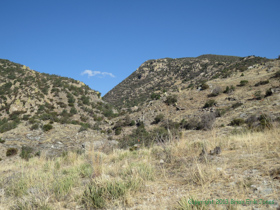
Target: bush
(237,122)
(83,128)
(207,121)
(26,152)
(2,141)
(11,152)
(261,83)
(258,95)
(209,103)
(259,122)
(8,126)
(191,124)
(155,96)
(132,123)
(73,110)
(35,127)
(237,104)
(96,196)
(229,89)
(204,86)
(243,82)
(47,127)
(277,74)
(25,117)
(118,131)
(170,100)
(268,92)
(141,136)
(158,118)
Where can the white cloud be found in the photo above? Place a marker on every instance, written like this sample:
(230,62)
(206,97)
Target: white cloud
(91,73)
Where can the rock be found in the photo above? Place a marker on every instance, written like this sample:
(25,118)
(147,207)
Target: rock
(243,115)
(161,161)
(113,143)
(134,109)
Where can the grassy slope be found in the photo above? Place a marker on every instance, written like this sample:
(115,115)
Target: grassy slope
(138,180)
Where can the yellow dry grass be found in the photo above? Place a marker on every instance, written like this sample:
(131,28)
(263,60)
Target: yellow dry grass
(162,177)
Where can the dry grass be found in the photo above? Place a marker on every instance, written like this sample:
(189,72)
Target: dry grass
(164,176)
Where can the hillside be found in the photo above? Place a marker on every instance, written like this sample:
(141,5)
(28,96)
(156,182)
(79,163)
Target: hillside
(247,98)
(34,105)
(161,75)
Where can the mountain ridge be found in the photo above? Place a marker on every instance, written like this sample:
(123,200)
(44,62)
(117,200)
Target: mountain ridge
(161,74)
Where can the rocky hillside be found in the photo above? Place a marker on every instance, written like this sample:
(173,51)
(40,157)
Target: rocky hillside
(161,75)
(243,98)
(34,105)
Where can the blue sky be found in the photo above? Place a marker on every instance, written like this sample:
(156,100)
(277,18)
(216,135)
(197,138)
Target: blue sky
(101,42)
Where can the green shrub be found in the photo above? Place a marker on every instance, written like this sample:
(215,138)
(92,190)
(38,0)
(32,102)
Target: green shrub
(209,103)
(118,131)
(73,110)
(26,152)
(243,82)
(47,127)
(265,121)
(96,196)
(132,123)
(11,152)
(258,95)
(261,83)
(35,127)
(204,86)
(8,126)
(170,100)
(85,100)
(229,89)
(83,128)
(237,104)
(158,118)
(260,122)
(237,122)
(25,117)
(155,96)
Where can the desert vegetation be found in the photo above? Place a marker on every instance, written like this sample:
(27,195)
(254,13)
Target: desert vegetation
(122,178)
